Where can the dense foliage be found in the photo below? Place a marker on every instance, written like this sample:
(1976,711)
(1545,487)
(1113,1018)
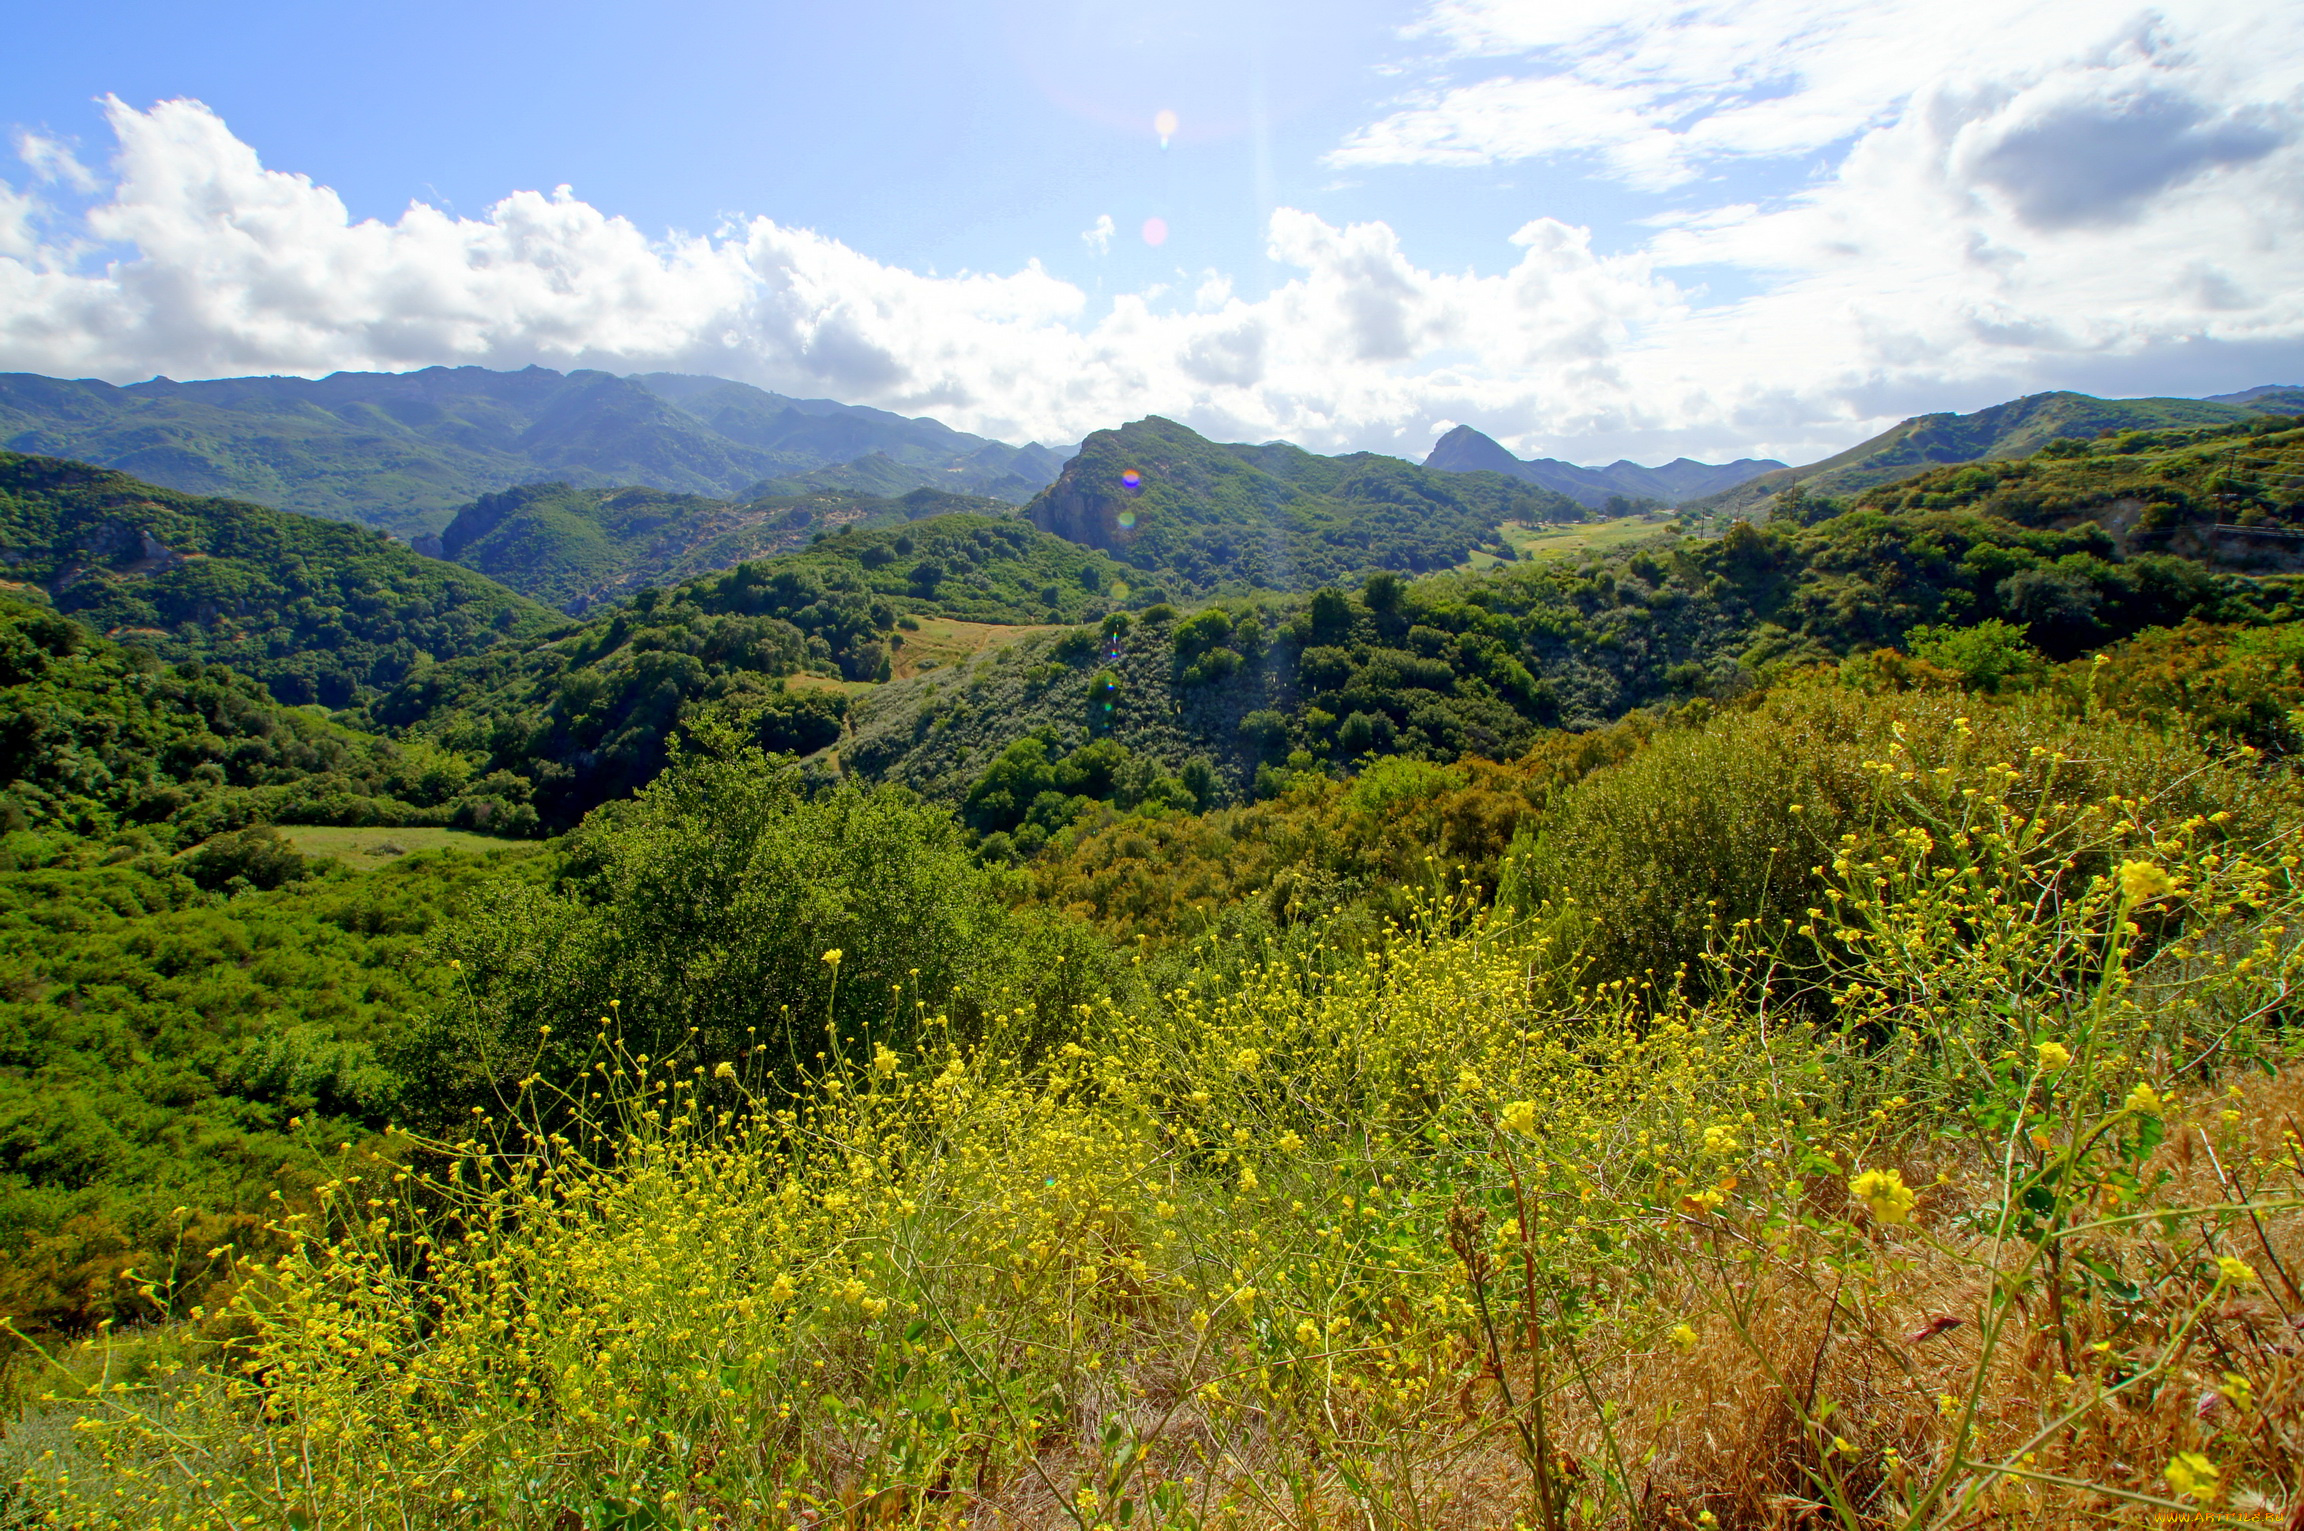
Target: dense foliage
(318,611)
(1481,663)
(96,738)
(171,1057)
(587,717)
(1299,1230)
(2156,488)
(1194,516)
(579,548)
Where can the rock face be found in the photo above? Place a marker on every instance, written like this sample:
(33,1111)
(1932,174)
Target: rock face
(1077,512)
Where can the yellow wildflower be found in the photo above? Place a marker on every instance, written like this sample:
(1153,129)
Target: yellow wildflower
(1885,1193)
(1520,1117)
(2237,1272)
(2145,1099)
(2053,1056)
(2143,881)
(724,1070)
(1720,1140)
(781,1289)
(2192,1474)
(883,1062)
(833,956)
(1683,1336)
(1308,1334)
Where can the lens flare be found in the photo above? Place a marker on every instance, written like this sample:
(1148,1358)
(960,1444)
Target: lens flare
(1155,231)
(1131,480)
(1127,520)
(1164,124)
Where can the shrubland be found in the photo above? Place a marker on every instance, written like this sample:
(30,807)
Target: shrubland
(1906,1138)
(320,612)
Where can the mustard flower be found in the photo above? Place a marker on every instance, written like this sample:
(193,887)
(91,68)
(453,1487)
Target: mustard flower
(1885,1193)
(2191,1474)
(2053,1056)
(2145,1099)
(1520,1117)
(2237,1272)
(833,956)
(1684,1336)
(724,1070)
(2144,881)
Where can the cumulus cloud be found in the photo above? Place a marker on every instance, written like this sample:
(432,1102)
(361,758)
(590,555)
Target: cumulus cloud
(1974,235)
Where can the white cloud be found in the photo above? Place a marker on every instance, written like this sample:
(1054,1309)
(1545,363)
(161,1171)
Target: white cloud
(1098,236)
(1968,240)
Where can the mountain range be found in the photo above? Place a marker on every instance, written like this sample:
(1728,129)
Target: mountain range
(404,451)
(1465,450)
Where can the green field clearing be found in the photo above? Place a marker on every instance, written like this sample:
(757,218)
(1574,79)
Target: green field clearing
(1573,538)
(377,845)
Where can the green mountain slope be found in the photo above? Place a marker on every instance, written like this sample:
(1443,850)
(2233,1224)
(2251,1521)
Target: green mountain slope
(578,548)
(1480,663)
(768,647)
(402,450)
(1202,516)
(318,610)
(2017,428)
(2226,494)
(99,740)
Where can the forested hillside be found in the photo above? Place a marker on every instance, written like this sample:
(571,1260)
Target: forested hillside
(2003,432)
(589,716)
(1481,663)
(1194,516)
(319,611)
(581,548)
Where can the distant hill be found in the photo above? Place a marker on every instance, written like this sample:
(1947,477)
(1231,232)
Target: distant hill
(317,610)
(772,646)
(577,548)
(2287,398)
(404,450)
(1199,515)
(2017,428)
(1465,450)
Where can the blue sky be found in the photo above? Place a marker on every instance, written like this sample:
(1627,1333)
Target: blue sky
(1620,227)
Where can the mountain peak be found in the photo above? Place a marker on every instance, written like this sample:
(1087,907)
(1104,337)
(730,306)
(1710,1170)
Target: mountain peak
(1465,450)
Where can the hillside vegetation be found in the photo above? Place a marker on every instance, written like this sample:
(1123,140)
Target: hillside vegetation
(1194,516)
(1266,690)
(2015,429)
(1786,1029)
(577,549)
(1953,1189)
(588,717)
(318,611)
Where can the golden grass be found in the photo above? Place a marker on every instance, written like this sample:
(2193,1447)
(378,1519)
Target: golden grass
(941,642)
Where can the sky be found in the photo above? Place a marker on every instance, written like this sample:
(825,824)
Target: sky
(1592,228)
